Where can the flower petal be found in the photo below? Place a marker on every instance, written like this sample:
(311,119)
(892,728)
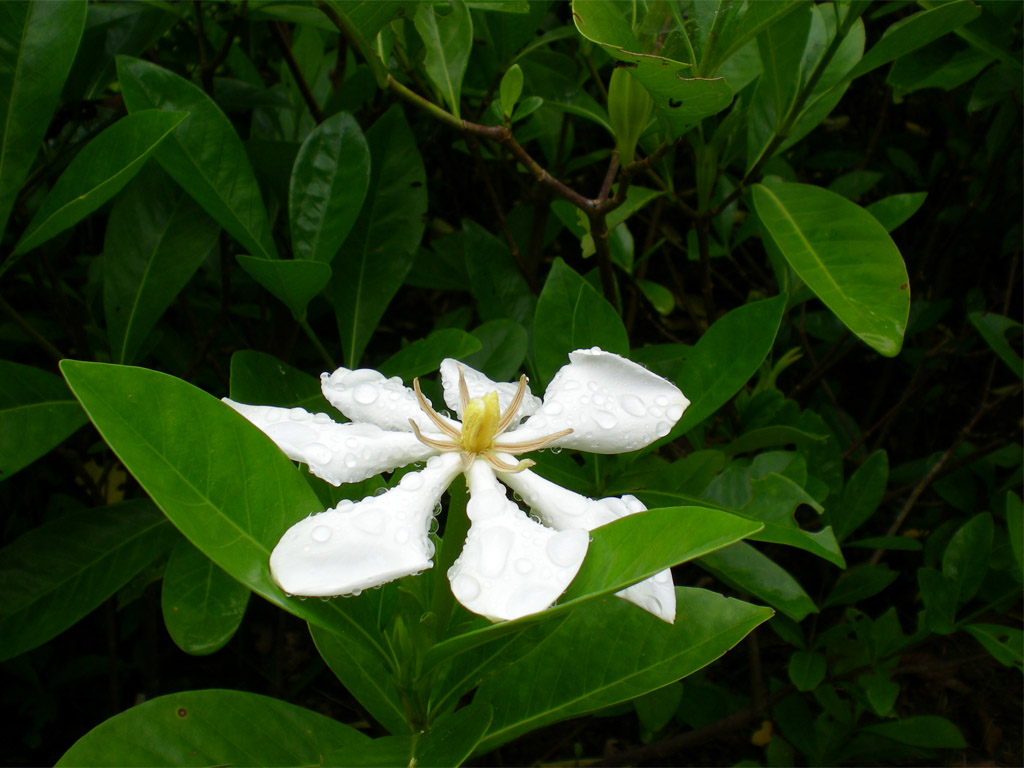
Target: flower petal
(510,566)
(563,509)
(367,396)
(360,545)
(479,385)
(612,404)
(337,453)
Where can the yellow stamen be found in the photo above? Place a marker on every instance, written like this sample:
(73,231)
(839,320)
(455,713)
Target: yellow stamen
(480,423)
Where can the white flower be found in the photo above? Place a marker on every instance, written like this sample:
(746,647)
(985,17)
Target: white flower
(510,565)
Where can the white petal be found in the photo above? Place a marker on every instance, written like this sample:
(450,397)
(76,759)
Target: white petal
(366,396)
(563,509)
(510,566)
(337,453)
(365,544)
(612,404)
(479,385)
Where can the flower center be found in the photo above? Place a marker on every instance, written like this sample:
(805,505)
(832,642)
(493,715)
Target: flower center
(480,423)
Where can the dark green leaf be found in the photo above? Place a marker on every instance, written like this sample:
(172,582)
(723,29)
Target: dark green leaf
(994,330)
(746,569)
(939,596)
(381,246)
(448,40)
(261,379)
(54,575)
(573,316)
(328,186)
(202,605)
(893,210)
(156,238)
(923,731)
(859,584)
(1006,644)
(451,741)
(99,172)
(204,154)
(966,559)
(294,282)
(204,728)
(844,255)
(503,346)
(424,355)
(40,39)
(861,496)
(807,670)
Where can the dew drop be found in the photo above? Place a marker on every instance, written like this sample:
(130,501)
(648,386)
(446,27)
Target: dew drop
(632,405)
(356,592)
(495,544)
(317,453)
(350,460)
(297,414)
(605,420)
(524,565)
(661,400)
(555,408)
(465,588)
(653,605)
(674,412)
(365,394)
(322,418)
(321,533)
(567,548)
(663,428)
(272,414)
(556,449)
(412,482)
(380,491)
(402,536)
(352,443)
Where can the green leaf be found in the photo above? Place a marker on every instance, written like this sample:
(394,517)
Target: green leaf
(860,583)
(204,154)
(844,255)
(510,89)
(453,740)
(503,347)
(893,210)
(913,32)
(743,567)
(682,97)
(221,481)
(496,281)
(61,571)
(656,709)
(424,355)
(262,379)
(769,437)
(448,41)
(994,330)
(1015,527)
(203,728)
(202,605)
(781,48)
(861,496)
(966,559)
(1006,644)
(881,693)
(611,652)
(156,238)
(36,414)
(382,244)
(556,89)
(939,596)
(661,298)
(807,670)
(38,41)
(929,731)
(99,172)
(294,282)
(573,316)
(725,357)
(327,188)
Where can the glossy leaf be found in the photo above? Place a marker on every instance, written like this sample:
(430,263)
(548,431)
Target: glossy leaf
(294,282)
(423,355)
(726,357)
(844,255)
(40,38)
(496,281)
(327,188)
(894,210)
(452,741)
(202,605)
(994,329)
(37,412)
(204,154)
(220,480)
(510,89)
(914,32)
(682,97)
(746,569)
(966,559)
(99,172)
(213,727)
(781,48)
(381,246)
(574,316)
(503,346)
(610,652)
(156,238)
(554,88)
(61,571)
(261,379)
(448,40)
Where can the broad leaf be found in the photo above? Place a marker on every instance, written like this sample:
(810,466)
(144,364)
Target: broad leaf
(203,728)
(99,172)
(893,210)
(381,246)
(859,583)
(503,346)
(327,188)
(261,379)
(966,559)
(423,355)
(202,605)
(994,329)
(57,573)
(610,652)
(743,567)
(807,669)
(220,480)
(204,154)
(36,414)
(38,42)
(448,40)
(844,255)
(294,282)
(1006,644)
(573,316)
(861,496)
(452,740)
(156,238)
(929,731)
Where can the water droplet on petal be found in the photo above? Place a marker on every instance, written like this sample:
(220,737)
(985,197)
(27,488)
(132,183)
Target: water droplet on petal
(412,482)
(322,418)
(523,565)
(350,460)
(465,588)
(556,449)
(321,533)
(555,409)
(653,605)
(632,405)
(605,420)
(675,412)
(663,428)
(661,400)
(297,414)
(365,394)
(370,522)
(318,454)
(567,548)
(495,544)
(380,491)
(272,414)
(402,536)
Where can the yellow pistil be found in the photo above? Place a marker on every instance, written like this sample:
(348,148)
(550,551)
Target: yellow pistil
(482,422)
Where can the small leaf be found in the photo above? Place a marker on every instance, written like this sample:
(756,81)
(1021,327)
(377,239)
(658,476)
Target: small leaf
(448,40)
(893,210)
(859,584)
(510,89)
(928,731)
(743,567)
(861,496)
(661,298)
(807,670)
(58,573)
(844,255)
(99,172)
(294,282)
(939,596)
(503,346)
(422,356)
(966,559)
(1006,644)
(994,330)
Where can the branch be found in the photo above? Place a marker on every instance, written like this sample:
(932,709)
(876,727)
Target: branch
(293,67)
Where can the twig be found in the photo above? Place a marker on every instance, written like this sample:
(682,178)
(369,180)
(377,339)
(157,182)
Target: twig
(293,67)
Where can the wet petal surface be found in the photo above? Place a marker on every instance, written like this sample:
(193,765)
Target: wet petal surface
(368,397)
(479,385)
